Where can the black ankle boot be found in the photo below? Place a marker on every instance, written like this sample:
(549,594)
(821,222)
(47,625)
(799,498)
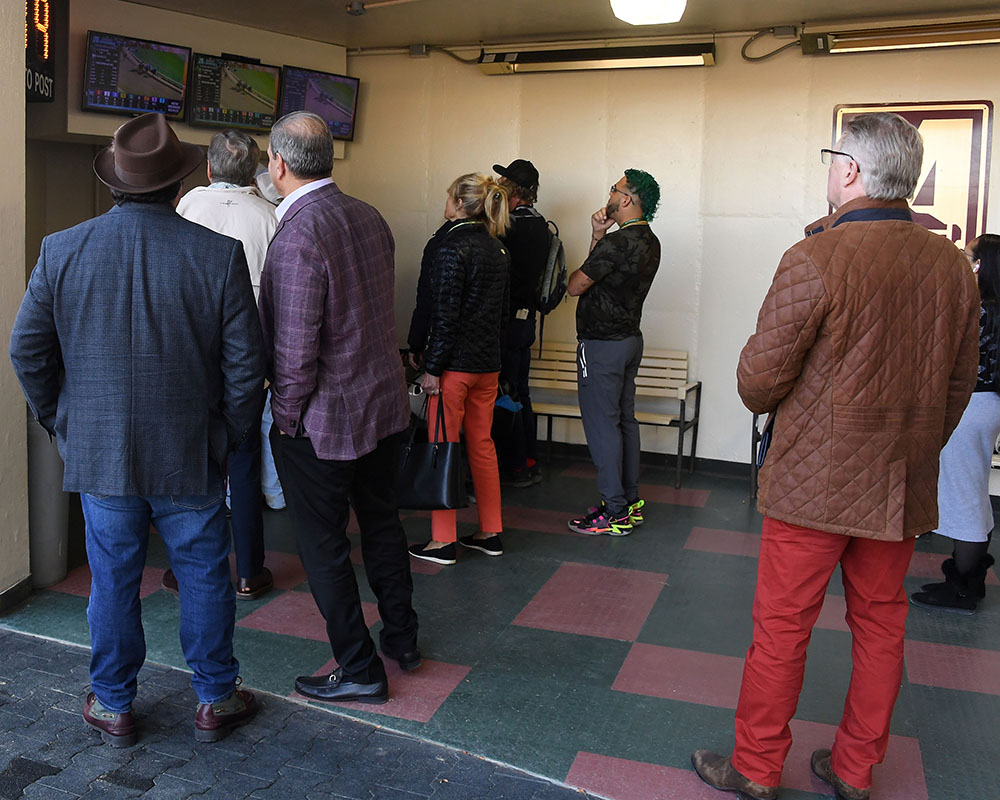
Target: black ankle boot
(959,594)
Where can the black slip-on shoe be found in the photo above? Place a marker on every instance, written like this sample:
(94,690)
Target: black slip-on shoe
(440,555)
(491,545)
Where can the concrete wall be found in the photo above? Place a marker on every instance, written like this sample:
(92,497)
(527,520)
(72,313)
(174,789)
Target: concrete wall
(14,466)
(735,148)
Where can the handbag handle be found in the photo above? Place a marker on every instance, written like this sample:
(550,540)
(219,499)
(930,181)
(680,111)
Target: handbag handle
(439,424)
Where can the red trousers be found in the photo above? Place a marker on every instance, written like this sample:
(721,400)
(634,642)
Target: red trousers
(468,401)
(794,569)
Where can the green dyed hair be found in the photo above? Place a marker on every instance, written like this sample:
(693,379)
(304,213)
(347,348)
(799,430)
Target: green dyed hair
(645,187)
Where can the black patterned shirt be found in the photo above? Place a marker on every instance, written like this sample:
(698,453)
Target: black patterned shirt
(622,266)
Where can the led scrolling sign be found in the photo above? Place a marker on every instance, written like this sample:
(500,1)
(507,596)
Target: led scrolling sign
(39,71)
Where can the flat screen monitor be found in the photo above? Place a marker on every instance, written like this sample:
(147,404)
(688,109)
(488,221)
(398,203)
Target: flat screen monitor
(132,76)
(227,93)
(333,97)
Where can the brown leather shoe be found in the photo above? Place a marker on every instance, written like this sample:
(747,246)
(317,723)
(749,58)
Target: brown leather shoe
(820,763)
(117,730)
(215,721)
(252,588)
(169,582)
(718,772)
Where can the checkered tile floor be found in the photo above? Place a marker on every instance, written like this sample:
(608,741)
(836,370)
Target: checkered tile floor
(605,662)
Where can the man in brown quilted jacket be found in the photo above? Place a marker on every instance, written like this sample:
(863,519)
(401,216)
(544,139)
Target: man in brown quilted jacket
(865,355)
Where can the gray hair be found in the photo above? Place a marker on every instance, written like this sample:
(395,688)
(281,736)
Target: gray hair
(233,157)
(888,151)
(303,140)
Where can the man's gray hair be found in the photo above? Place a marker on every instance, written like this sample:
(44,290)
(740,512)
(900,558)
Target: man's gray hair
(888,151)
(233,157)
(303,140)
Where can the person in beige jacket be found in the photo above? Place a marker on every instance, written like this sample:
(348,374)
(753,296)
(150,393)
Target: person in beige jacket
(231,205)
(865,355)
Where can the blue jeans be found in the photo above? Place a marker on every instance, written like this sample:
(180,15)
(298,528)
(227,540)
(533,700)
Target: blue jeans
(193,527)
(269,483)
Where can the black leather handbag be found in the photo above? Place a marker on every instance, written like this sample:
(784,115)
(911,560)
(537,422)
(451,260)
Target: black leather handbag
(431,475)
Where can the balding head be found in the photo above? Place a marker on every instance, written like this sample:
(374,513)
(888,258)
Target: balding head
(303,141)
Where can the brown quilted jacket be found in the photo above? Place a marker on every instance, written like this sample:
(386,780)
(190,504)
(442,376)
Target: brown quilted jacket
(866,349)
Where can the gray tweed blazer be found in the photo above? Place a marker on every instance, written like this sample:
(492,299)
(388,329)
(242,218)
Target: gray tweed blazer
(138,346)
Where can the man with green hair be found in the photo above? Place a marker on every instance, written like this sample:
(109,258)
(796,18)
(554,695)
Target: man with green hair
(612,285)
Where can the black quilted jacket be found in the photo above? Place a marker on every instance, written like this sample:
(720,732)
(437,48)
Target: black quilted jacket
(470,286)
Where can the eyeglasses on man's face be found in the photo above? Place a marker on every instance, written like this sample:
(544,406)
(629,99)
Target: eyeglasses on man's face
(614,188)
(826,156)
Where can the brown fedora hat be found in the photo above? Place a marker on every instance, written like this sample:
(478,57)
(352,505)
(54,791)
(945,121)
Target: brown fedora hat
(145,155)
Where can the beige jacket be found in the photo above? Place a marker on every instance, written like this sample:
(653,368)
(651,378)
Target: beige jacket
(239,212)
(866,347)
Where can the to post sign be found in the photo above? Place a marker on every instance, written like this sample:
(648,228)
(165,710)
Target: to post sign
(39,71)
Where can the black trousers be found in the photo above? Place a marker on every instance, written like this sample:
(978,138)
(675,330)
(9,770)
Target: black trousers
(319,494)
(515,362)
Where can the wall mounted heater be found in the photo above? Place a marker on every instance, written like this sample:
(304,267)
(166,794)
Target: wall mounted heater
(700,54)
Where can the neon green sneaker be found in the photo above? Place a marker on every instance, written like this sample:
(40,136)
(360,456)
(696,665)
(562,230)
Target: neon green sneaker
(635,512)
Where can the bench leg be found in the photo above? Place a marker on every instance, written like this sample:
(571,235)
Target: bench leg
(680,447)
(694,425)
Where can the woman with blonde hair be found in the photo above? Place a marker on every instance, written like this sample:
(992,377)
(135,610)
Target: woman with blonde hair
(469,290)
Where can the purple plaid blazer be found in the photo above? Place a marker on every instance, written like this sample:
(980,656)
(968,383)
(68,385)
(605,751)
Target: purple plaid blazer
(326,309)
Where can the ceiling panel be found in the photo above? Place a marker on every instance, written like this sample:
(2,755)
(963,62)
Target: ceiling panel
(452,22)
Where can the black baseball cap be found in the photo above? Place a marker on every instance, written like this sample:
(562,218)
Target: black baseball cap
(520,171)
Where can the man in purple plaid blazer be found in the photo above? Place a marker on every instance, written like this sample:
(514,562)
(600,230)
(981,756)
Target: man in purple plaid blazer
(339,404)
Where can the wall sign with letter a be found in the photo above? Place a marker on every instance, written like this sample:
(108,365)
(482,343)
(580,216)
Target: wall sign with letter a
(954,180)
(39,53)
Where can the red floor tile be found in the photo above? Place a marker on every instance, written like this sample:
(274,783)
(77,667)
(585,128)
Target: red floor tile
(928,565)
(621,779)
(77,582)
(686,675)
(900,777)
(833,615)
(414,696)
(295,614)
(594,601)
(655,493)
(952,667)
(713,540)
(650,492)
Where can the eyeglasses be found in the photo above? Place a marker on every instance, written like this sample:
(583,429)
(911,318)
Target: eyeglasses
(614,188)
(826,156)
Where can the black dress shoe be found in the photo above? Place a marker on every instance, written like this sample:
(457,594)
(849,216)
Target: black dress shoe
(334,687)
(408,661)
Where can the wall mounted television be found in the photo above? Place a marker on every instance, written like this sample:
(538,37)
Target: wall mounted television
(123,75)
(333,97)
(230,93)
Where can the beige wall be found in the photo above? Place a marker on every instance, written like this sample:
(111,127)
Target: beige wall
(14,466)
(734,147)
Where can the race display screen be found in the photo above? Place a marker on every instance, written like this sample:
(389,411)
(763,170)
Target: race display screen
(227,93)
(132,76)
(333,97)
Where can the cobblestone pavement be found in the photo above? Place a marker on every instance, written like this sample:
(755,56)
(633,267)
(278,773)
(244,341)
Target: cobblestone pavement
(289,751)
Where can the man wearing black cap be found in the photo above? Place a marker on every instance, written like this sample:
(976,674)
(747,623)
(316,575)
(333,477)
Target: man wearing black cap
(527,241)
(138,347)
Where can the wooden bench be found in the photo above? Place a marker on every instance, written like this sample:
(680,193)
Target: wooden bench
(662,385)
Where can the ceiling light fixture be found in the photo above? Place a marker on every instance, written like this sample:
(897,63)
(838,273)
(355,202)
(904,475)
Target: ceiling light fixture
(902,38)
(648,12)
(701,54)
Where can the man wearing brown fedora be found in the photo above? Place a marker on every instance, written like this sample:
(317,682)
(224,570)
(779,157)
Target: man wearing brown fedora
(138,347)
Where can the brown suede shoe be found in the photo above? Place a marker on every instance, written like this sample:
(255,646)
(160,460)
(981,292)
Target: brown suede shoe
(820,763)
(718,772)
(117,730)
(252,588)
(215,721)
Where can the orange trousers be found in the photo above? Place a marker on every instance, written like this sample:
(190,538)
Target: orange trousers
(468,401)
(792,575)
